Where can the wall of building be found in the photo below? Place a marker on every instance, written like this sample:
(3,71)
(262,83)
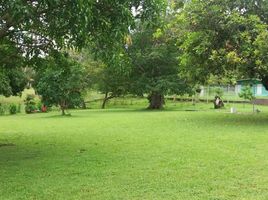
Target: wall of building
(258,89)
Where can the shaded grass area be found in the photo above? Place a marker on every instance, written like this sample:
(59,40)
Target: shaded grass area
(135,154)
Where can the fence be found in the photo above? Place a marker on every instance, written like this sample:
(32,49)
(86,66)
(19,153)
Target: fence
(227,93)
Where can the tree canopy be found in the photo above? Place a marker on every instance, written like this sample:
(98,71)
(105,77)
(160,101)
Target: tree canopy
(12,78)
(61,82)
(33,28)
(223,38)
(155,70)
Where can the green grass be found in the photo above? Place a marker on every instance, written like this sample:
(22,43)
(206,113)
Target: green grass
(135,154)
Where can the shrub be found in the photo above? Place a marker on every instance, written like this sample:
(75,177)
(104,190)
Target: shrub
(39,105)
(247,93)
(30,104)
(19,108)
(2,109)
(12,109)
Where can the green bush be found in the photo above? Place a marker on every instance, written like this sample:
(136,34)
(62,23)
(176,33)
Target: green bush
(19,108)
(2,109)
(39,105)
(30,104)
(13,109)
(247,93)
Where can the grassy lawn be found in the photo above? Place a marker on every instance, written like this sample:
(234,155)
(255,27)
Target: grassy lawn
(135,154)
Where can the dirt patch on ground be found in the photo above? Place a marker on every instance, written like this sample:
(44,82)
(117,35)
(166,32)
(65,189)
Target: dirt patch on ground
(261,101)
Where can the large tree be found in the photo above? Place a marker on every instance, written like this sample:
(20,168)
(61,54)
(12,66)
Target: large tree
(155,70)
(35,27)
(223,38)
(12,77)
(42,24)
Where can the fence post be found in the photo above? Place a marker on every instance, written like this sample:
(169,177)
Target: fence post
(207,93)
(228,98)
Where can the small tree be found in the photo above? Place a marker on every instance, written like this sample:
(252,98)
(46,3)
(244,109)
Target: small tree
(113,78)
(62,82)
(112,83)
(30,104)
(247,94)
(109,76)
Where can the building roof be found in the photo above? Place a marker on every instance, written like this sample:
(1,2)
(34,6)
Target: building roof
(249,81)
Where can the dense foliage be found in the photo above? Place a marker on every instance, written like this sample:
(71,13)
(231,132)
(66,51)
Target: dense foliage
(154,66)
(34,28)
(147,48)
(62,82)
(12,78)
(112,83)
(223,38)
(247,93)
(39,25)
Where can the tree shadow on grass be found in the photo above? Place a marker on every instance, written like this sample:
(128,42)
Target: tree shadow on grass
(208,116)
(93,113)
(142,110)
(247,120)
(56,154)
(7,145)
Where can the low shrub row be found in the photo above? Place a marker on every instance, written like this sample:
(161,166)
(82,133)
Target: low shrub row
(34,105)
(12,108)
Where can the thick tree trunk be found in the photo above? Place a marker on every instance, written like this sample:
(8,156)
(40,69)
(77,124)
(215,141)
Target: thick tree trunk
(63,106)
(156,101)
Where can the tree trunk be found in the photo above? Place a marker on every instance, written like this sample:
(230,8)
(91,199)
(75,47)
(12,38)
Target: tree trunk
(62,111)
(63,107)
(104,101)
(156,101)
(106,98)
(84,106)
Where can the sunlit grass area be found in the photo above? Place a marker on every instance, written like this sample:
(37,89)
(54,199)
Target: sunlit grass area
(183,152)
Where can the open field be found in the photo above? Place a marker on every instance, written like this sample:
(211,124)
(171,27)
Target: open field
(135,154)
